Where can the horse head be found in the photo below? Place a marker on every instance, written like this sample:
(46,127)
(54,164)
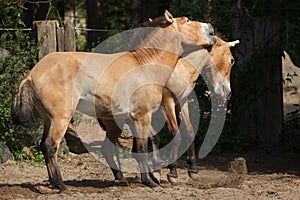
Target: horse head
(196,33)
(222,62)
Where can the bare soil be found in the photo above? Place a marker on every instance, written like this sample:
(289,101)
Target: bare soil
(87,178)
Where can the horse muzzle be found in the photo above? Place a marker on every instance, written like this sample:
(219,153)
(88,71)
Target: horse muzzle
(209,32)
(223,90)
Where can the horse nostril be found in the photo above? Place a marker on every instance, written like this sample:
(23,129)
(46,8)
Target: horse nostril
(229,95)
(227,92)
(214,38)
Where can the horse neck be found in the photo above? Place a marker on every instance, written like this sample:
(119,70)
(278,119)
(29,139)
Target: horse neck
(158,45)
(187,71)
(196,61)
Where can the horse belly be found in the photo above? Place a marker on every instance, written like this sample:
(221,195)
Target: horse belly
(99,108)
(86,106)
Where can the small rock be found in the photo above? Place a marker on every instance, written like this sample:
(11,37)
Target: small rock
(5,153)
(238,165)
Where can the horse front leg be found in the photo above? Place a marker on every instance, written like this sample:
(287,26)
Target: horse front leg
(176,141)
(190,135)
(172,124)
(156,174)
(112,133)
(140,148)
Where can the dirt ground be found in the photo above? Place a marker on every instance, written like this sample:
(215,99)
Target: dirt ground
(87,178)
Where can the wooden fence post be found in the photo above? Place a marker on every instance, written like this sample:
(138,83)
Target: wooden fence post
(256,81)
(46,36)
(51,37)
(60,31)
(69,36)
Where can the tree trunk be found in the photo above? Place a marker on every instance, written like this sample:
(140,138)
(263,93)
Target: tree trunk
(96,19)
(136,17)
(34,12)
(256,80)
(142,10)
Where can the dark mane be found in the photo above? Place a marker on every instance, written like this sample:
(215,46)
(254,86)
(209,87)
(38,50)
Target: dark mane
(145,47)
(220,35)
(157,22)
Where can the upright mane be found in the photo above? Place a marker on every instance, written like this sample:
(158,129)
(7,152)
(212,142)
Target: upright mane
(150,41)
(152,44)
(157,22)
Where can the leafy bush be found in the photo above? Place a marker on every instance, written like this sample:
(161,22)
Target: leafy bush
(22,55)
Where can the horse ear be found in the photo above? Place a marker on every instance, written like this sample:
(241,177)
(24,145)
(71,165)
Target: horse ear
(233,43)
(169,16)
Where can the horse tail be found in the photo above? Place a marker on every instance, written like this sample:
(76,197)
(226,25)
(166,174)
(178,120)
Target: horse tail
(23,111)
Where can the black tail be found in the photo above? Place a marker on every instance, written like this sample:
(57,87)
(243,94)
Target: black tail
(23,111)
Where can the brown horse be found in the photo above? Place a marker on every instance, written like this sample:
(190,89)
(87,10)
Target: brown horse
(216,63)
(180,86)
(94,84)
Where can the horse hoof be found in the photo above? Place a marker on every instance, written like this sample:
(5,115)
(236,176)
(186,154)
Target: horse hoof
(60,187)
(62,190)
(118,175)
(173,180)
(123,182)
(151,184)
(156,177)
(193,175)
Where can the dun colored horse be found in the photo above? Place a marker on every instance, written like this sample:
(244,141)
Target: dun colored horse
(94,84)
(216,63)
(180,86)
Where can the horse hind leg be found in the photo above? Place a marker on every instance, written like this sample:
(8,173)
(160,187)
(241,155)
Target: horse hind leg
(54,130)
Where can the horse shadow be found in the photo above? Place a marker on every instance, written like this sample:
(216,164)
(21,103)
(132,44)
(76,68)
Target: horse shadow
(46,188)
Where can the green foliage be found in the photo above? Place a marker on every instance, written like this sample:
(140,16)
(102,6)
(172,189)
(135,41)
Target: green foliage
(228,143)
(118,14)
(22,55)
(190,8)
(32,157)
(220,13)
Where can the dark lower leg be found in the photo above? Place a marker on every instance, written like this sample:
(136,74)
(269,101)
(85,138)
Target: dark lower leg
(49,149)
(191,155)
(156,157)
(191,160)
(173,171)
(140,154)
(190,135)
(192,166)
(174,155)
(108,153)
